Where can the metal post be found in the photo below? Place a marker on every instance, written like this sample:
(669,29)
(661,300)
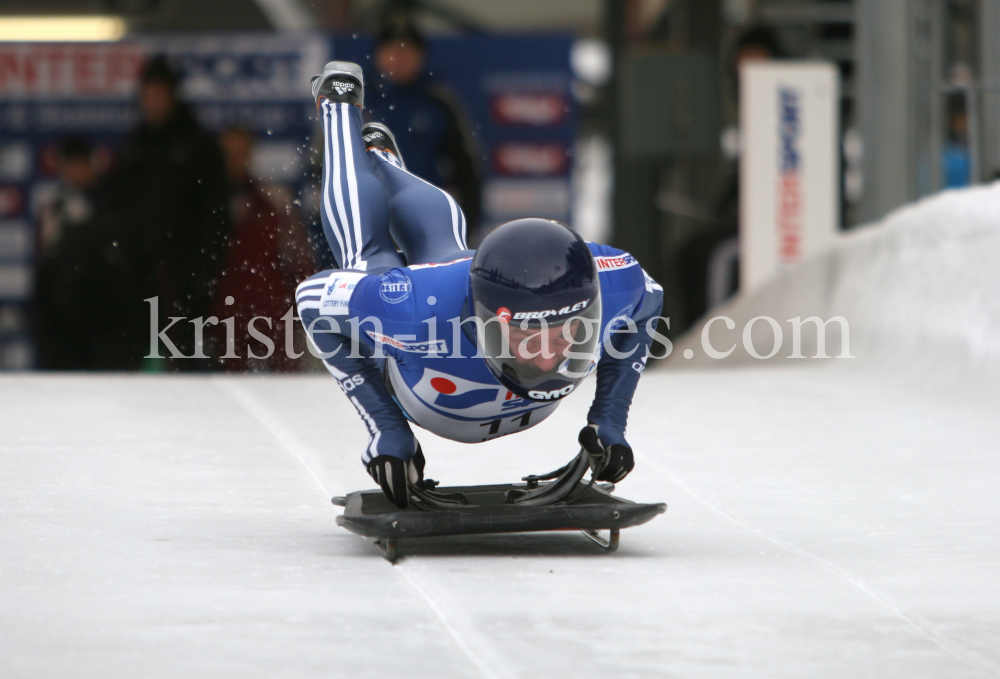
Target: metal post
(926,52)
(884,114)
(932,77)
(989,75)
(899,48)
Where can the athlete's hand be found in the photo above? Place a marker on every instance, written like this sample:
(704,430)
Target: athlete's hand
(614,449)
(394,475)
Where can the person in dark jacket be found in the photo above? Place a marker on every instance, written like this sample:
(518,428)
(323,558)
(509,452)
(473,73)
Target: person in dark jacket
(81,276)
(169,187)
(424,116)
(267,254)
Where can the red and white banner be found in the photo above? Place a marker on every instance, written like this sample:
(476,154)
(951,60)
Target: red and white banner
(72,70)
(530,159)
(533,109)
(215,68)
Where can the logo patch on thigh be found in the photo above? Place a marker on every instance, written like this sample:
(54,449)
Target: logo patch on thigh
(337,293)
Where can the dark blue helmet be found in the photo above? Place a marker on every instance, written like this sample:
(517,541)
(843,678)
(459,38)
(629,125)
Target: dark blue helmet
(535,289)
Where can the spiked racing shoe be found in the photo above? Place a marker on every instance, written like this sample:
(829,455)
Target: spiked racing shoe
(378,136)
(341,82)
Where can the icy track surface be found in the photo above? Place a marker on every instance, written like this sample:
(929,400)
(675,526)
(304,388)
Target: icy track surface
(834,519)
(819,525)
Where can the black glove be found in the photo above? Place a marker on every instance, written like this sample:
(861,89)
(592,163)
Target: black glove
(394,475)
(617,457)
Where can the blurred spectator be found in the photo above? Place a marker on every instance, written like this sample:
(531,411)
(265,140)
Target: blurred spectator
(957,164)
(267,254)
(169,188)
(710,260)
(424,116)
(756,44)
(81,275)
(73,205)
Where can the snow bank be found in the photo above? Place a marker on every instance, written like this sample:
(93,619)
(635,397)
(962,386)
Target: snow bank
(920,291)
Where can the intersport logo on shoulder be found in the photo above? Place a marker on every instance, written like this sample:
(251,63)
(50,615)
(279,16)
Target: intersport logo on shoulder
(528,315)
(619,262)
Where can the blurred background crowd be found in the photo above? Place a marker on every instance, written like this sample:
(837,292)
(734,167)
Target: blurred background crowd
(168,167)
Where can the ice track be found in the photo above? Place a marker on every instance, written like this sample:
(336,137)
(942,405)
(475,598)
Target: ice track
(824,521)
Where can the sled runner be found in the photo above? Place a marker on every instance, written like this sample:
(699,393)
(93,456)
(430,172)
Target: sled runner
(555,501)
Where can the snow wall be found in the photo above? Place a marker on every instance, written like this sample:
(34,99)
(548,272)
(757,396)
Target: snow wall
(920,291)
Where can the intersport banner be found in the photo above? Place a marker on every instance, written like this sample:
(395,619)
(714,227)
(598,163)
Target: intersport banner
(516,92)
(49,91)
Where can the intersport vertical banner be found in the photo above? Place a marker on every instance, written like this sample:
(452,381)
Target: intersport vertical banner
(789,164)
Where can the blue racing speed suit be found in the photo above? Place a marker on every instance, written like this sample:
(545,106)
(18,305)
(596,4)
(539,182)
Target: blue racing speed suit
(397,334)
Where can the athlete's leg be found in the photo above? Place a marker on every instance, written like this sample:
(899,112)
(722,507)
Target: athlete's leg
(427,223)
(355,209)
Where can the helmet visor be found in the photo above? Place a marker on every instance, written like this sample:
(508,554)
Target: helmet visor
(533,352)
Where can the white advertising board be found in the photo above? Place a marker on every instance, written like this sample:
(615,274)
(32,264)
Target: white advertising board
(789,163)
